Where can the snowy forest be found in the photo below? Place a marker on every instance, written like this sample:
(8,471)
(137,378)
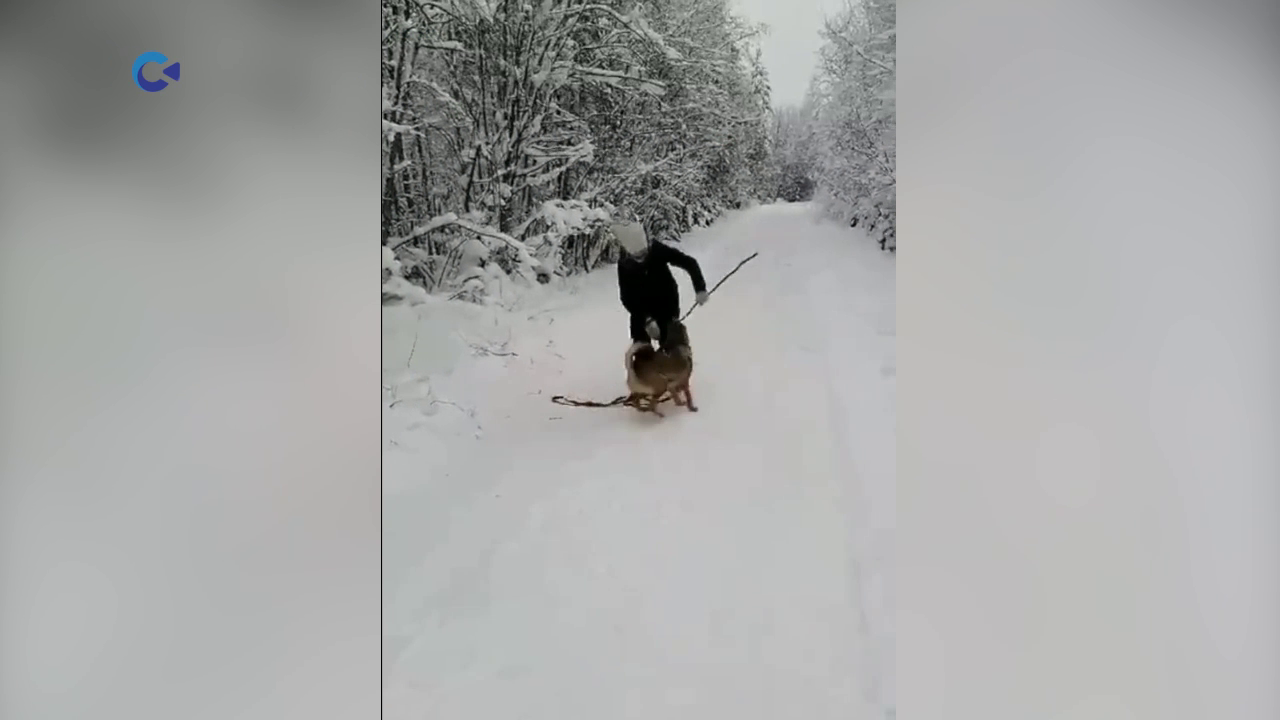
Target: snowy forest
(513,130)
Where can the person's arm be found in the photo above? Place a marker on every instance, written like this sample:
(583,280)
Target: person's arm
(625,292)
(686,263)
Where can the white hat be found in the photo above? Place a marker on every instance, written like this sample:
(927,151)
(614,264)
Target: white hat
(630,236)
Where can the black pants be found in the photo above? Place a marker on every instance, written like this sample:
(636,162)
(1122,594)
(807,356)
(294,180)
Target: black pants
(639,320)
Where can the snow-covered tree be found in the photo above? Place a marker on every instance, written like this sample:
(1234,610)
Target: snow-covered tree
(512,129)
(853,118)
(794,160)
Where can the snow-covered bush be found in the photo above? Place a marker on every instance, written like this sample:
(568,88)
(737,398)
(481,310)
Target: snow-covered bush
(395,289)
(566,237)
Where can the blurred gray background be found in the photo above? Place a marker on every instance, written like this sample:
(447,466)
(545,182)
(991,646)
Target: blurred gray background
(188,361)
(1088,360)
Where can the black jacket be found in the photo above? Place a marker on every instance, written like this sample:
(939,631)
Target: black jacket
(648,290)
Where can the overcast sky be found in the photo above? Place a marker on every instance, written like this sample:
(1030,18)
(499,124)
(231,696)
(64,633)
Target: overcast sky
(789,50)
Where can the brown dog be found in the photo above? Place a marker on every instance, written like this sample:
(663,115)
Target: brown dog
(653,373)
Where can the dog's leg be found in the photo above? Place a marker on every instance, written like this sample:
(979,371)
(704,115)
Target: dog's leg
(653,406)
(688,398)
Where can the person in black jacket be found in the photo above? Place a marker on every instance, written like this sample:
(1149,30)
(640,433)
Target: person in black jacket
(645,284)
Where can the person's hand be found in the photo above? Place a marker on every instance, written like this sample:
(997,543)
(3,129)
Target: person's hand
(651,327)
(702,297)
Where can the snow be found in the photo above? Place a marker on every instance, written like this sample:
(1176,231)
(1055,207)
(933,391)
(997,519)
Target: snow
(391,128)
(389,261)
(571,215)
(553,562)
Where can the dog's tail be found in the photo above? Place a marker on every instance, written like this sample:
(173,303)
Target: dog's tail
(628,360)
(632,349)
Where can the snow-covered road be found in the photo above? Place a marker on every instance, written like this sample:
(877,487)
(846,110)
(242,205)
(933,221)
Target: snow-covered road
(559,563)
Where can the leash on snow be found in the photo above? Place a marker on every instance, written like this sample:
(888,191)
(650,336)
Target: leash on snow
(625,400)
(622,400)
(562,400)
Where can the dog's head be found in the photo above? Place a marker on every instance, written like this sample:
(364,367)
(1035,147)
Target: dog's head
(677,336)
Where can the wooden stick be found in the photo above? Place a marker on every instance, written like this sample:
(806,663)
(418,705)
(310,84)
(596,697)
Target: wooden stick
(717,285)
